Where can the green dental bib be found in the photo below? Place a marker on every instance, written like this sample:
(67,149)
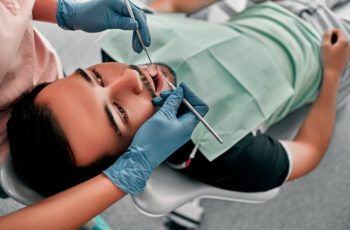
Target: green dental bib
(236,75)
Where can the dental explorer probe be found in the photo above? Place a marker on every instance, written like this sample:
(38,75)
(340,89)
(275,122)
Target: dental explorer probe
(210,129)
(137,31)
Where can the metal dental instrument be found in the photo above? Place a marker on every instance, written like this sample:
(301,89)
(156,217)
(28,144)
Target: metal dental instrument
(137,31)
(210,129)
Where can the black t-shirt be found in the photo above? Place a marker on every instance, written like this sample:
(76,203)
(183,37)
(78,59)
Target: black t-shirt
(255,163)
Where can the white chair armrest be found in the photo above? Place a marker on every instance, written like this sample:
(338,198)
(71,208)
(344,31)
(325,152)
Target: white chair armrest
(168,189)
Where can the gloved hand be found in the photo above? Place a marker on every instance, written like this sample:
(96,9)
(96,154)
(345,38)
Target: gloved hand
(99,15)
(159,101)
(156,139)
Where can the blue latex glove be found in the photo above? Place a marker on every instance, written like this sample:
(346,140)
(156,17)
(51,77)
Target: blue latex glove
(156,139)
(159,101)
(100,15)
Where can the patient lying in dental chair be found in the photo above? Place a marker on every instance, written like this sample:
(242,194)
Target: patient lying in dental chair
(252,71)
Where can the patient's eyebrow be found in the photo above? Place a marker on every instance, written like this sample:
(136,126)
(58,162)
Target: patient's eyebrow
(109,115)
(84,75)
(112,121)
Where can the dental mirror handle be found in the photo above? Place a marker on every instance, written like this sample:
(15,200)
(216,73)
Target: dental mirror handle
(210,129)
(137,31)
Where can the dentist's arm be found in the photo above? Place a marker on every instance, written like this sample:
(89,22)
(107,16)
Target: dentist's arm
(311,142)
(67,210)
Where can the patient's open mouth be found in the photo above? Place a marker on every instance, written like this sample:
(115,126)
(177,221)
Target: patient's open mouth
(154,78)
(157,78)
(147,79)
(158,82)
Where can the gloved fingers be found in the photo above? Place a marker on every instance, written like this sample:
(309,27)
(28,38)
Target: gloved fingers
(172,103)
(142,26)
(140,17)
(202,109)
(123,22)
(136,44)
(190,96)
(200,106)
(188,121)
(120,7)
(165,94)
(159,101)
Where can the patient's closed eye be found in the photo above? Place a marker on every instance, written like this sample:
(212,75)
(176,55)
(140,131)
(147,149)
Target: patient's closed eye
(98,77)
(121,111)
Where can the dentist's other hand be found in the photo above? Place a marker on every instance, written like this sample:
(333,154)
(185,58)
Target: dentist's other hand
(157,138)
(168,130)
(100,15)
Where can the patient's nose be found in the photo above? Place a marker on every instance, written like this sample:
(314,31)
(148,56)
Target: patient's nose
(129,82)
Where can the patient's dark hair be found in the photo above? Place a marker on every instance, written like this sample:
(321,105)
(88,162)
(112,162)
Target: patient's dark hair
(41,154)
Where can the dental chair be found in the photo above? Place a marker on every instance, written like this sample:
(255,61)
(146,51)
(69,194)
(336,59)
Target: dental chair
(168,192)
(13,186)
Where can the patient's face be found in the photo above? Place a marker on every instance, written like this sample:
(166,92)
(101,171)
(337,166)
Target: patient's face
(101,108)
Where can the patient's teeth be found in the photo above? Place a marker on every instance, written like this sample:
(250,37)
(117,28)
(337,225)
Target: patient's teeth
(152,69)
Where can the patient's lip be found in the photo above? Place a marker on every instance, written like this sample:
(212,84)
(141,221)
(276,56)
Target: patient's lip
(159,81)
(148,77)
(156,76)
